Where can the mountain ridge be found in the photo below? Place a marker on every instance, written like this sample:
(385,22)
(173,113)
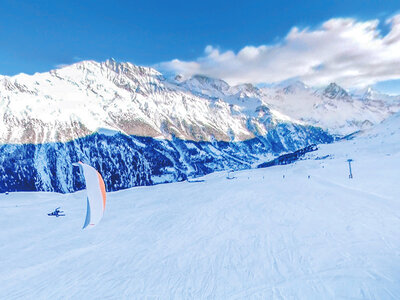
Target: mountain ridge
(77,100)
(138,127)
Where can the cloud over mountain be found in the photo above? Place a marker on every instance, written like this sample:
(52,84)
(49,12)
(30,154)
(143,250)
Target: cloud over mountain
(350,52)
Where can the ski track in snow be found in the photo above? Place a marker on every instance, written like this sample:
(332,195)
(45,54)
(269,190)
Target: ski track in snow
(260,236)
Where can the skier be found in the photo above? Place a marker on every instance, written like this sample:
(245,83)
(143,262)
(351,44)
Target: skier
(57,213)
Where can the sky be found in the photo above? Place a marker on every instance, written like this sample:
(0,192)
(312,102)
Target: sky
(354,43)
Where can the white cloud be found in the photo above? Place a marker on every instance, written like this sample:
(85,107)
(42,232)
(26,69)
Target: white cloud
(350,52)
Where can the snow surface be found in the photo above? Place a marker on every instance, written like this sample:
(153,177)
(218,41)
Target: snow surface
(259,236)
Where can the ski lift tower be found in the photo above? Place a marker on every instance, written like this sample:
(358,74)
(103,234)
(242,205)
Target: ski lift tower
(350,174)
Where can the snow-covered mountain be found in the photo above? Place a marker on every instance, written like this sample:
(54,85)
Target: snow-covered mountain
(332,108)
(134,126)
(294,87)
(333,91)
(370,93)
(87,97)
(138,127)
(80,99)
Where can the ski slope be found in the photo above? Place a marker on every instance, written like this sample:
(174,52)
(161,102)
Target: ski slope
(259,236)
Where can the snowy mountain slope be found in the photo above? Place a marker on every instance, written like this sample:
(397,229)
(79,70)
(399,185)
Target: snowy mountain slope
(382,138)
(83,98)
(370,93)
(333,91)
(89,95)
(260,236)
(80,99)
(203,85)
(332,108)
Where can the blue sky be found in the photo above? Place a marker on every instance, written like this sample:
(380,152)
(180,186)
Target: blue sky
(36,36)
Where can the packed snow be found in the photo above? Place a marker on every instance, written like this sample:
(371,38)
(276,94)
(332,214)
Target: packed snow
(300,231)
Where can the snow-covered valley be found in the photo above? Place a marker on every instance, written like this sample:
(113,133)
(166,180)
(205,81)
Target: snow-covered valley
(299,231)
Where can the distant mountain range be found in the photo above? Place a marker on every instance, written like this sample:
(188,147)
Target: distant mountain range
(138,127)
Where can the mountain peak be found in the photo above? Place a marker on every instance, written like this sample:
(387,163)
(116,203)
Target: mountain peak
(370,93)
(334,91)
(218,84)
(291,87)
(246,87)
(204,85)
(127,67)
